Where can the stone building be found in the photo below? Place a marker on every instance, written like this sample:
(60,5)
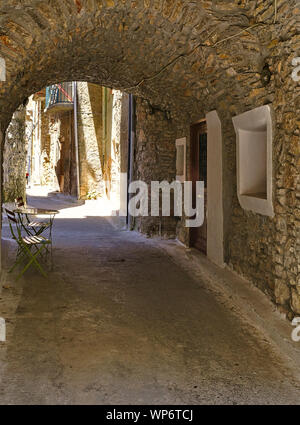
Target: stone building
(187,63)
(14,162)
(43,137)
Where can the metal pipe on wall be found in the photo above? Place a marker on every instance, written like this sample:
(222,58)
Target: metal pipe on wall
(76,140)
(131,141)
(128,154)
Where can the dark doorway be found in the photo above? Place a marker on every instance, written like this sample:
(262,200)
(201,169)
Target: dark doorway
(198,235)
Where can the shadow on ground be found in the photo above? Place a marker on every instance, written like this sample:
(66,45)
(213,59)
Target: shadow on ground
(118,321)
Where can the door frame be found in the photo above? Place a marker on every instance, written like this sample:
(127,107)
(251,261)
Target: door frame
(197,237)
(214,206)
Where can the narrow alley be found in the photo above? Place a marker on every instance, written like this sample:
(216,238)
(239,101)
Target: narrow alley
(119,321)
(160,138)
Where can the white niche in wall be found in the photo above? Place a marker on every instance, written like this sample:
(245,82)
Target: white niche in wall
(180,159)
(254,160)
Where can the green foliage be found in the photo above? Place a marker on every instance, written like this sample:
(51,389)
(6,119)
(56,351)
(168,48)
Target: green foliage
(93,194)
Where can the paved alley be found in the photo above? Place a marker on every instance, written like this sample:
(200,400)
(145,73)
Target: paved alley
(119,321)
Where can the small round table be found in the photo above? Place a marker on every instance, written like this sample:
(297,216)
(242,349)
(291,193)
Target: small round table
(40,226)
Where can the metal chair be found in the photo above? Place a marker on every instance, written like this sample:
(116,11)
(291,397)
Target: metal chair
(32,227)
(30,247)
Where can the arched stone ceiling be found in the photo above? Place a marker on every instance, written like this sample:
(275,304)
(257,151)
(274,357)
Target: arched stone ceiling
(185,56)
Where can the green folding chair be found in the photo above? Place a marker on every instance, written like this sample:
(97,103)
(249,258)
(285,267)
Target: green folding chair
(30,247)
(32,227)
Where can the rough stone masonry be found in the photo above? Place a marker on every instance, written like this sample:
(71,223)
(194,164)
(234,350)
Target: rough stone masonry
(14,161)
(184,59)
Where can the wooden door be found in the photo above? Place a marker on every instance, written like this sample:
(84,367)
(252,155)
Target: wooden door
(198,235)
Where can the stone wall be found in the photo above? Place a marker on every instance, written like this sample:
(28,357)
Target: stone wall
(47,170)
(54,132)
(262,249)
(266,250)
(116,142)
(51,132)
(154,160)
(188,58)
(90,140)
(14,158)
(99,138)
(124,133)
(62,153)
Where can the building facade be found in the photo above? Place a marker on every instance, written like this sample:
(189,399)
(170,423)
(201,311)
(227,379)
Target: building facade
(187,62)
(57,146)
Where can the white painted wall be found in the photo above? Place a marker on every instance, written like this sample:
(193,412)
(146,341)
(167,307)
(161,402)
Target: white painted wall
(215,233)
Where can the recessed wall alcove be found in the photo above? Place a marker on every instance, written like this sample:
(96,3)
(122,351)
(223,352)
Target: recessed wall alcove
(181,159)
(254,160)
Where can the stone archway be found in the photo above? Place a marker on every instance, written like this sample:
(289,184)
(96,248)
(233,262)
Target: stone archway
(183,59)
(173,53)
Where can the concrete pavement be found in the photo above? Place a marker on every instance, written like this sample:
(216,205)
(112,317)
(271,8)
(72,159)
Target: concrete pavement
(120,320)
